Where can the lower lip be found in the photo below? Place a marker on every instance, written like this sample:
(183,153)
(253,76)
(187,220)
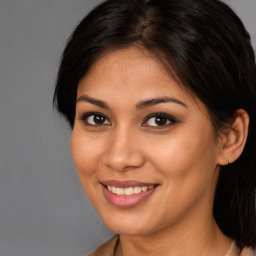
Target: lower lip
(126,201)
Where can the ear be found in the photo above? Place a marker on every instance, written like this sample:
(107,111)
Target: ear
(233,138)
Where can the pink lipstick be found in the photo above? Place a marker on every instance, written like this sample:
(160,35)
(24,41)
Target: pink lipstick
(127,193)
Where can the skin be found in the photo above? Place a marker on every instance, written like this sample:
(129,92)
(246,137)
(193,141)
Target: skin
(183,156)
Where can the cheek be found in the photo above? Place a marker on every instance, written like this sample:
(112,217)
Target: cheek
(85,153)
(189,154)
(187,165)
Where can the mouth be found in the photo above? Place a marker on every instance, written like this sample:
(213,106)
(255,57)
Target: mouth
(127,193)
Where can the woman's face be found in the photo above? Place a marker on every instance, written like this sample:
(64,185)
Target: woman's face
(144,149)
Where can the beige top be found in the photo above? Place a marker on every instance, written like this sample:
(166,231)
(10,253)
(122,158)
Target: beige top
(108,249)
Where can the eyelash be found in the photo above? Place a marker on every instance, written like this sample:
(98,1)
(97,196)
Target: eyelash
(166,118)
(85,117)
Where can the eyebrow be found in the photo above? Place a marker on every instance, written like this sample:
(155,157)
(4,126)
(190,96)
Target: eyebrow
(139,106)
(93,101)
(155,101)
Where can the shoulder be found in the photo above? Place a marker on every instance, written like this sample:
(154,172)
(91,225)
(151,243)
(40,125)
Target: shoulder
(106,249)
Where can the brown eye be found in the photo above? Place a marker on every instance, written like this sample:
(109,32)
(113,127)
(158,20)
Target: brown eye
(159,120)
(95,119)
(98,119)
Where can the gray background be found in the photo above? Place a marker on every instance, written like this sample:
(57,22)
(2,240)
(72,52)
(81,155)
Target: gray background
(43,210)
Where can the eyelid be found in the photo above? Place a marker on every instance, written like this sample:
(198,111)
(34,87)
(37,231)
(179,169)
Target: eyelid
(170,118)
(88,114)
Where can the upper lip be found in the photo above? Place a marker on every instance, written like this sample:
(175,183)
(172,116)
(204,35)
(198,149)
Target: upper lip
(126,183)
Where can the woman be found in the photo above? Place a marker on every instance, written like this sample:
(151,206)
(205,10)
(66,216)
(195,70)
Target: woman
(161,99)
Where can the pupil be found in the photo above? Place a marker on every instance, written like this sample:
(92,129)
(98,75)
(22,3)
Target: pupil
(99,119)
(160,120)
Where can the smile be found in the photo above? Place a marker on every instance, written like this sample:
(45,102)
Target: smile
(129,191)
(126,194)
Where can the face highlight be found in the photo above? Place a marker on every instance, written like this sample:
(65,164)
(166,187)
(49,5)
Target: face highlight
(144,149)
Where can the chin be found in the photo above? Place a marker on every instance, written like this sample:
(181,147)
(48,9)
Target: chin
(128,224)
(128,230)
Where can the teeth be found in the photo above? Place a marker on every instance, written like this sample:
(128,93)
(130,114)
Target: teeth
(128,191)
(137,190)
(120,191)
(144,189)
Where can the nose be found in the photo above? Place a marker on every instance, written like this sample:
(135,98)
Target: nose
(124,151)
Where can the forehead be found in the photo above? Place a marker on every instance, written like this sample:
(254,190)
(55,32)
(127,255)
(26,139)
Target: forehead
(126,66)
(133,74)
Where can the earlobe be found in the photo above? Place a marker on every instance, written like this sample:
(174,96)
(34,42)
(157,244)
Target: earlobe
(233,139)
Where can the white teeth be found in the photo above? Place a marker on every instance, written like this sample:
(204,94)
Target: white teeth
(113,189)
(137,190)
(144,188)
(128,191)
(119,191)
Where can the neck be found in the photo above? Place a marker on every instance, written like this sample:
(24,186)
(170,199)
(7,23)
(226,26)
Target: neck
(196,239)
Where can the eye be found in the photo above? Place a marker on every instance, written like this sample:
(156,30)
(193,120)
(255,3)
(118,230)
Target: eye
(95,119)
(159,120)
